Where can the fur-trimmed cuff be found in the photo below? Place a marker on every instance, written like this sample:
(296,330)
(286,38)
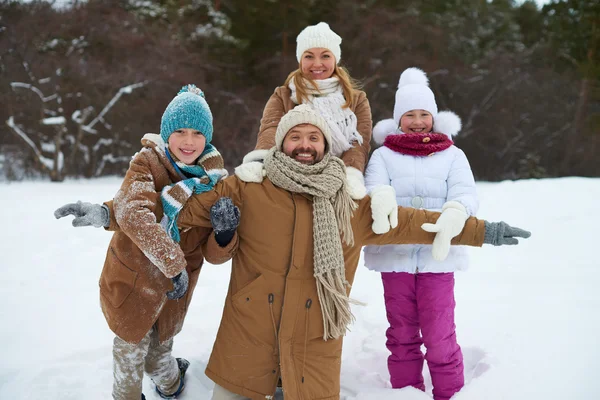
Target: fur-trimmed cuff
(384,209)
(356,183)
(253,171)
(255,155)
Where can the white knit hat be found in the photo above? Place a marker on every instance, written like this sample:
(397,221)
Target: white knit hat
(301,114)
(319,35)
(414,94)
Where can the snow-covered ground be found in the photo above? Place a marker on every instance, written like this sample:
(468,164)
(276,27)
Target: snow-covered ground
(528,316)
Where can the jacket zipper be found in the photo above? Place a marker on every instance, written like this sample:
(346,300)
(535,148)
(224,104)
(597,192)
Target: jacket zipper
(283,296)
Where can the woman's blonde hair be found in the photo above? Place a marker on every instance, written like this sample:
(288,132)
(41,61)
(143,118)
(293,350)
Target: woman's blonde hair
(348,84)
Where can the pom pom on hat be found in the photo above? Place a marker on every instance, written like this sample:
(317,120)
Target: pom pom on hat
(414,94)
(316,36)
(448,123)
(191,88)
(301,114)
(413,76)
(188,109)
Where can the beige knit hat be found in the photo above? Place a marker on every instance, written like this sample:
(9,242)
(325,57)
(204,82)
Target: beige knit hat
(301,114)
(319,35)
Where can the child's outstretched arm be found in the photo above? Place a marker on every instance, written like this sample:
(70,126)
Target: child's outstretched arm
(86,214)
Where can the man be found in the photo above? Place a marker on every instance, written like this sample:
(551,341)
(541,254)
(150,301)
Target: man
(300,236)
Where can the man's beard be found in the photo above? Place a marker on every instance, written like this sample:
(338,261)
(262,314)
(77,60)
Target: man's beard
(312,152)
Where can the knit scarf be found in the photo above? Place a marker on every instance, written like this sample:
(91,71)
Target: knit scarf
(328,99)
(198,178)
(418,144)
(332,213)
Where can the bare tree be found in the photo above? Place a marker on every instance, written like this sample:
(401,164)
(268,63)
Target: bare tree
(49,150)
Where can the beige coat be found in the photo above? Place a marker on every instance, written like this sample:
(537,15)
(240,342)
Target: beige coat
(280,103)
(272,324)
(132,289)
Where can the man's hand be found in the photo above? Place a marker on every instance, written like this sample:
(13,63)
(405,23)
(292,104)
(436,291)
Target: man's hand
(501,233)
(449,224)
(86,214)
(180,286)
(225,218)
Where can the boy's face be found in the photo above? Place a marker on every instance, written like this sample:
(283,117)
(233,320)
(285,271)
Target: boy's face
(304,143)
(416,121)
(187,145)
(317,63)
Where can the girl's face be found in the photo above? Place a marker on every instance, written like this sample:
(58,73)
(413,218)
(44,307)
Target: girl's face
(317,63)
(416,121)
(187,145)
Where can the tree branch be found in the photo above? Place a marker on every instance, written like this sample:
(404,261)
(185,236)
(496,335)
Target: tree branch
(124,90)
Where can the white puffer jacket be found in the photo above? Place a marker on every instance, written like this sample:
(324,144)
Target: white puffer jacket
(420,182)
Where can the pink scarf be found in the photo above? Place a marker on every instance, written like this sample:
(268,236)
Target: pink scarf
(418,144)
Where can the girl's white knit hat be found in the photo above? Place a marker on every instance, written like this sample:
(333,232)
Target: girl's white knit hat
(319,35)
(301,114)
(414,94)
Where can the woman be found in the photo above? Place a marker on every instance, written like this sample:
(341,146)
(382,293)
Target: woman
(327,87)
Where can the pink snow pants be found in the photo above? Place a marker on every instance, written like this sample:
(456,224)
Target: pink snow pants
(420,310)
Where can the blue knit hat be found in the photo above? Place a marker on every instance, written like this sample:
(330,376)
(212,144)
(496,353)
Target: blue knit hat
(189,110)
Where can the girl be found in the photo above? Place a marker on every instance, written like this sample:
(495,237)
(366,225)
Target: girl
(427,171)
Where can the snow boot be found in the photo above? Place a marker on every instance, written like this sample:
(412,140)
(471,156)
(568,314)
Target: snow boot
(183,365)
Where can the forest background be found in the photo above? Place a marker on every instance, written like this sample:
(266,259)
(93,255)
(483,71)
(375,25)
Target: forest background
(82,81)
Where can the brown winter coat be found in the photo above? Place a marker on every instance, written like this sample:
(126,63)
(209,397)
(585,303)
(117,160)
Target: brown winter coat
(132,288)
(280,103)
(272,324)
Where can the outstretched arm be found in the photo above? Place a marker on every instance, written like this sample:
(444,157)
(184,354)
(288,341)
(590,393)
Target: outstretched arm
(409,229)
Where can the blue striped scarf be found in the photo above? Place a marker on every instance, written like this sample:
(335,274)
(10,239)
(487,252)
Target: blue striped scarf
(196,179)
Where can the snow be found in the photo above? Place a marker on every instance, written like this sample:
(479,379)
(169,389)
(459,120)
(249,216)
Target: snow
(527,316)
(54,121)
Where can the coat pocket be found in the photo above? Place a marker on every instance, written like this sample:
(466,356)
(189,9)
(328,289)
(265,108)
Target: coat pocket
(245,294)
(117,280)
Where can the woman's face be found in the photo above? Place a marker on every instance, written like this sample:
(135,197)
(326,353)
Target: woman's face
(317,63)
(416,121)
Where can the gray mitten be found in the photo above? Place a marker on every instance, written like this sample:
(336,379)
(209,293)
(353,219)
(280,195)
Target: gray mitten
(225,218)
(180,286)
(501,233)
(86,214)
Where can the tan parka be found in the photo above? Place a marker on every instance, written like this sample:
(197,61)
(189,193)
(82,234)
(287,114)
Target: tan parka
(272,324)
(281,102)
(132,288)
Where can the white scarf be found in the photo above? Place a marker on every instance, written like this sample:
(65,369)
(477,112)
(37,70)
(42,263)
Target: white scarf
(328,101)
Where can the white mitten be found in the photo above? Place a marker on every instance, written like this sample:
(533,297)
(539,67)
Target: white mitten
(252,168)
(356,183)
(384,209)
(449,224)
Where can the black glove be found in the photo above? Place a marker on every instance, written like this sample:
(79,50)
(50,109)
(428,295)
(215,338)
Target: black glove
(86,214)
(501,233)
(225,218)
(180,286)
